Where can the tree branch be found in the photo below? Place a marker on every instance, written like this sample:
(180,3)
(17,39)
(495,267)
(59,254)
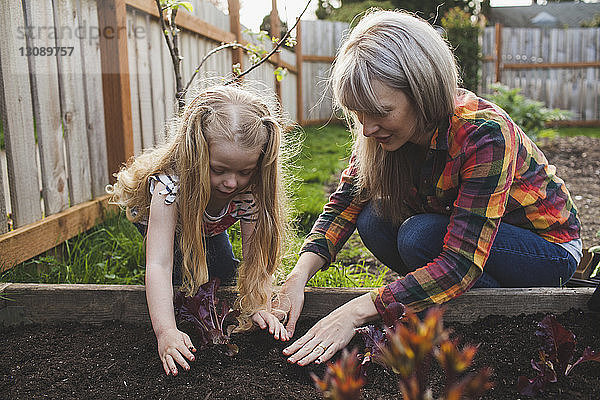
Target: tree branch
(279,44)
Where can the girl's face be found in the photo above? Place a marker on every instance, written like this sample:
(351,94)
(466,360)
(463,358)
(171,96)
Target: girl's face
(396,125)
(231,169)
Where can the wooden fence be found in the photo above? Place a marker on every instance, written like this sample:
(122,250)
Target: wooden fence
(560,67)
(112,89)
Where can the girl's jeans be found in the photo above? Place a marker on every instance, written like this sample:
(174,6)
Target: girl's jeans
(221,262)
(518,257)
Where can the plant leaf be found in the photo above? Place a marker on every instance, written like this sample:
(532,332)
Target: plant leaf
(588,355)
(557,342)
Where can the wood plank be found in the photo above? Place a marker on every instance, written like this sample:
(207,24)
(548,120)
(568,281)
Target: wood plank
(319,59)
(46,110)
(186,21)
(17,119)
(235,27)
(112,20)
(30,240)
(94,98)
(299,60)
(44,303)
(556,65)
(158,83)
(142,45)
(71,102)
(3,215)
(133,81)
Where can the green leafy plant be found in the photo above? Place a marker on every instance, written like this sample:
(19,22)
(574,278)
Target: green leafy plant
(530,115)
(463,35)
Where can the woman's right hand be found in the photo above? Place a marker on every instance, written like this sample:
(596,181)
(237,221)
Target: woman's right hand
(291,296)
(174,347)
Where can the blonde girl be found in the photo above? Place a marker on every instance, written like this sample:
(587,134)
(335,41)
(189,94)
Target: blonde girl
(221,164)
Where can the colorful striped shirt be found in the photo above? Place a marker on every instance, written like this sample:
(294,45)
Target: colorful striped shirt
(480,168)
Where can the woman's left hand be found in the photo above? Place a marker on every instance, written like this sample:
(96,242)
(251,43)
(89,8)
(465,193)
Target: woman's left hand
(331,333)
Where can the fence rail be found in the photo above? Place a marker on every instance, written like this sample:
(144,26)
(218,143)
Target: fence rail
(560,67)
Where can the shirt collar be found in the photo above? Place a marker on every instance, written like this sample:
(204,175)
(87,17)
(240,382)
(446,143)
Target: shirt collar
(439,140)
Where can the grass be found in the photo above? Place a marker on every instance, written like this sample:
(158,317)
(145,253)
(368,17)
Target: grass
(110,253)
(113,252)
(571,131)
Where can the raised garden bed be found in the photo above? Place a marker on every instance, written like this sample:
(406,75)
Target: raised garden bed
(75,341)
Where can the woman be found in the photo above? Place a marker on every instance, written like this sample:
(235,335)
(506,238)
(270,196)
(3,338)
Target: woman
(442,186)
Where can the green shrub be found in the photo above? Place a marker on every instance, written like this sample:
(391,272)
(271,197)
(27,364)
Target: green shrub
(463,35)
(530,115)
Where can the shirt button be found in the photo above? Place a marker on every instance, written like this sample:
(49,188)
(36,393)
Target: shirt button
(447,208)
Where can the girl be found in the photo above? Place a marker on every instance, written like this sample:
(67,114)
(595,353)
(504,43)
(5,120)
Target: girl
(220,164)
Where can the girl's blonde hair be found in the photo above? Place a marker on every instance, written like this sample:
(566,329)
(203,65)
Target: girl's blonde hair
(406,53)
(252,120)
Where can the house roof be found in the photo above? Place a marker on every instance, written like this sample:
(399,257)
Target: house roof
(559,15)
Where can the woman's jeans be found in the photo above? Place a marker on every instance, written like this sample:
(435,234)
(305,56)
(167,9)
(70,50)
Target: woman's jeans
(221,262)
(518,257)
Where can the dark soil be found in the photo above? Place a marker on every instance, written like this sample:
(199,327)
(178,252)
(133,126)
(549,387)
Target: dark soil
(577,161)
(119,361)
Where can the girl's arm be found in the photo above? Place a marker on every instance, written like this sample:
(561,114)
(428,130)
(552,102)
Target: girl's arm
(173,345)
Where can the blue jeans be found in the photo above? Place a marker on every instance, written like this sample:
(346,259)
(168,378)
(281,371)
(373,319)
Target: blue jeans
(221,262)
(518,257)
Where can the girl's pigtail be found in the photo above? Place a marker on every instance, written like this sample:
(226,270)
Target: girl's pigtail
(194,194)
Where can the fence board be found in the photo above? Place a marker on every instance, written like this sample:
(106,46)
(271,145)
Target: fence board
(72,98)
(17,117)
(133,84)
(94,98)
(46,110)
(158,84)
(567,70)
(144,82)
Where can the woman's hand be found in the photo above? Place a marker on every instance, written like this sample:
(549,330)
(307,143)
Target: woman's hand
(332,333)
(265,319)
(175,346)
(291,300)
(291,295)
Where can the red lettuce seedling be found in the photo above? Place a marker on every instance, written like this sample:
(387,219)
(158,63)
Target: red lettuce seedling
(343,380)
(375,337)
(556,353)
(207,313)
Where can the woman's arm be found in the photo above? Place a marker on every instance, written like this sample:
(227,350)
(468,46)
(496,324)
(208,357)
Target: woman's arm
(173,345)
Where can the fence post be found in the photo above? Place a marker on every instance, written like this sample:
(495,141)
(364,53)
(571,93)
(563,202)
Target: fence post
(299,100)
(276,32)
(112,21)
(236,28)
(498,52)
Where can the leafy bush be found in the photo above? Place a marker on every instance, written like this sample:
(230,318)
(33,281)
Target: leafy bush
(530,115)
(463,35)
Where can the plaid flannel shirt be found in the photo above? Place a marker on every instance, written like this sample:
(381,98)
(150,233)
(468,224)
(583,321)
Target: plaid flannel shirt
(479,170)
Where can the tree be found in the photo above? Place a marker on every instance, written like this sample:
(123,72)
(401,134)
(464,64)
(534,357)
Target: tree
(168,9)
(432,10)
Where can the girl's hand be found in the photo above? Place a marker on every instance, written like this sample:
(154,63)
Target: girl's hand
(265,319)
(331,333)
(175,346)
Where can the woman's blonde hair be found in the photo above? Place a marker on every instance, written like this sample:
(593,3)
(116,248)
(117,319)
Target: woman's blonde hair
(251,119)
(406,53)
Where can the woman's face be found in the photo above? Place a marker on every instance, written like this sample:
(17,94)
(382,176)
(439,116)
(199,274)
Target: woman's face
(397,125)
